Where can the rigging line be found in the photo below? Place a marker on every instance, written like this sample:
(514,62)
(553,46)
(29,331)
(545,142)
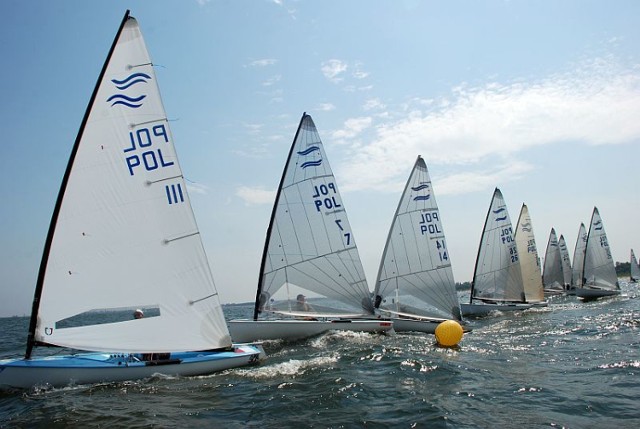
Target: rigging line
(132,126)
(151,182)
(167,240)
(202,299)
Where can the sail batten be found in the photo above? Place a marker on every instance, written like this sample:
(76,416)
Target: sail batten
(497,275)
(599,271)
(310,247)
(415,275)
(108,241)
(529,260)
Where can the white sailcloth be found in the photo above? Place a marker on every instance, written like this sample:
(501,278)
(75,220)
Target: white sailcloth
(529,260)
(566,262)
(310,248)
(578,257)
(124,234)
(415,275)
(552,277)
(634,268)
(497,276)
(599,270)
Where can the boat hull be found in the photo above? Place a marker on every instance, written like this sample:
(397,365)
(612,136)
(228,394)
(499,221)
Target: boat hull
(89,368)
(587,293)
(484,309)
(293,329)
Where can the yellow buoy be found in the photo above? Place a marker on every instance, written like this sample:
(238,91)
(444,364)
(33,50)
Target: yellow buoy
(449,333)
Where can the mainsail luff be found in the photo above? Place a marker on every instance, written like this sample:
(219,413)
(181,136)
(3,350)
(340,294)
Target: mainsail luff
(265,250)
(578,257)
(497,279)
(529,260)
(599,271)
(566,262)
(552,277)
(634,268)
(415,275)
(31,341)
(310,246)
(123,234)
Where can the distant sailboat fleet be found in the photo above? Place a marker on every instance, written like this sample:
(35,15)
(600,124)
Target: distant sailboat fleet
(311,278)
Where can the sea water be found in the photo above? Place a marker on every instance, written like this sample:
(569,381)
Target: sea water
(572,364)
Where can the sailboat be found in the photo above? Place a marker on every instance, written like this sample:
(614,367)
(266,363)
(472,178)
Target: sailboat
(529,260)
(566,262)
(123,236)
(311,278)
(497,279)
(634,268)
(578,258)
(599,278)
(415,285)
(552,275)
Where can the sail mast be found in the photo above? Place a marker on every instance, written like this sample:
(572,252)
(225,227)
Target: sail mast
(265,251)
(386,246)
(54,218)
(475,269)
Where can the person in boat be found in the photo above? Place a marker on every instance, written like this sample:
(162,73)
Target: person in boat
(303,305)
(139,314)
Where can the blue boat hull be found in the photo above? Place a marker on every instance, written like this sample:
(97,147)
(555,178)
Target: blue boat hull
(88,368)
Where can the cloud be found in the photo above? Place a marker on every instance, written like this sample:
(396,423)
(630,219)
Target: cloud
(373,103)
(325,107)
(255,196)
(263,62)
(332,69)
(272,80)
(196,188)
(594,104)
(353,127)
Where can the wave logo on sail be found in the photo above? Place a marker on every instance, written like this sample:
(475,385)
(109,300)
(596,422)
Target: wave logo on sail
(128,82)
(500,210)
(306,152)
(598,225)
(526,227)
(420,188)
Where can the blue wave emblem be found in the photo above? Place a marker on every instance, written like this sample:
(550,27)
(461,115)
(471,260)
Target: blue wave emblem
(499,210)
(498,219)
(308,150)
(526,229)
(598,225)
(126,101)
(422,197)
(131,80)
(420,188)
(128,82)
(311,163)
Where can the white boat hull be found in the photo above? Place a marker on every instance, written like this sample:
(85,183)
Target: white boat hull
(293,329)
(89,368)
(485,309)
(588,293)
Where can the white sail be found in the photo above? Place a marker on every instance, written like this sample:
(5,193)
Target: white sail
(552,276)
(634,268)
(578,257)
(310,248)
(529,260)
(123,234)
(497,275)
(599,270)
(566,262)
(415,275)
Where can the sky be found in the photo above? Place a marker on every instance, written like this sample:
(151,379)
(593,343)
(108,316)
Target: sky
(540,98)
